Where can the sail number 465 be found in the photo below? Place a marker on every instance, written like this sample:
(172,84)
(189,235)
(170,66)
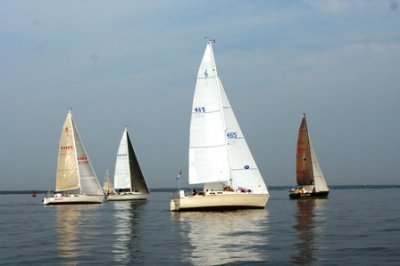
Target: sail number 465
(231,135)
(200,109)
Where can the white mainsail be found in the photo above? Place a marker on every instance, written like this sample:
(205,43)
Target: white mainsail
(218,152)
(122,174)
(74,169)
(208,157)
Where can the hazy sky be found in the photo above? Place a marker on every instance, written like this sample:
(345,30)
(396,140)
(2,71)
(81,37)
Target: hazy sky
(134,63)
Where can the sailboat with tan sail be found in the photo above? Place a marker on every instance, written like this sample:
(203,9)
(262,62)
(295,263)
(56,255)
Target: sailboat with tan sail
(76,181)
(108,187)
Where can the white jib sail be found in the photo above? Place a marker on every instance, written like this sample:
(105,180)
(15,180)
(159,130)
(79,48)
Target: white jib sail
(319,180)
(243,169)
(122,174)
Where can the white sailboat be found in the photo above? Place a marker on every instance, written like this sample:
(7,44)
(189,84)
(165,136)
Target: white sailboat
(108,187)
(219,156)
(129,183)
(76,181)
(309,176)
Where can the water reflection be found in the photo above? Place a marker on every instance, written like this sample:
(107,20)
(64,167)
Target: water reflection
(67,217)
(306,229)
(224,237)
(125,248)
(77,230)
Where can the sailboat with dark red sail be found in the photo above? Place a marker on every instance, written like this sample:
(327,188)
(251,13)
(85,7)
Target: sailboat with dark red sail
(309,176)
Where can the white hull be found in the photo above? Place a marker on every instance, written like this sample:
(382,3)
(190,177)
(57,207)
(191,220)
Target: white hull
(219,201)
(72,199)
(128,196)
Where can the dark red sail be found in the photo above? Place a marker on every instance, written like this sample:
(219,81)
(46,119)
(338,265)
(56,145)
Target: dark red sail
(304,171)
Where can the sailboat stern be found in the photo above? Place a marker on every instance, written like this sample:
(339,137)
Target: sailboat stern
(174,203)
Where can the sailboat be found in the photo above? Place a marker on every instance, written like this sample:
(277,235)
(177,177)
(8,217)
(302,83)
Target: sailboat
(129,183)
(108,187)
(219,157)
(76,181)
(309,176)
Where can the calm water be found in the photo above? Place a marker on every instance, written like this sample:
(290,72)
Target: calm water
(355,226)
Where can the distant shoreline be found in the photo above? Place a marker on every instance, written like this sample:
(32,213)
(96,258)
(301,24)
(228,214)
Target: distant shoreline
(333,187)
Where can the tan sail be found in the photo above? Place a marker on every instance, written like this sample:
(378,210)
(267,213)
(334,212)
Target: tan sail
(75,176)
(108,186)
(67,166)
